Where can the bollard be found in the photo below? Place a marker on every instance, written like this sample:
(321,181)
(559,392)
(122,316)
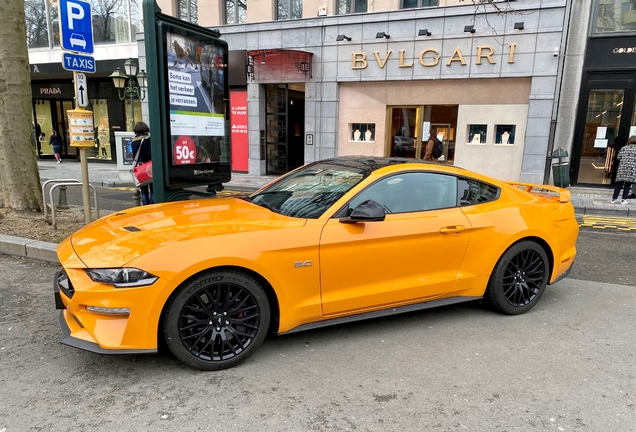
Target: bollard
(62,203)
(136,198)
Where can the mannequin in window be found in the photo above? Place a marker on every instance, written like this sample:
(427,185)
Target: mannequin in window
(367,135)
(356,135)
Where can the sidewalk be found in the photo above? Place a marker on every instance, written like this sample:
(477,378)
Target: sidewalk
(586,201)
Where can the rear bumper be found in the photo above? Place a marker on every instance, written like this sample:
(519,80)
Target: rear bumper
(563,275)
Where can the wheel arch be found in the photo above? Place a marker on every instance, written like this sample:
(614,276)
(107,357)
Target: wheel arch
(544,245)
(262,281)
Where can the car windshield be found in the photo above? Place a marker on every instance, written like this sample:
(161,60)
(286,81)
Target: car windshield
(310,191)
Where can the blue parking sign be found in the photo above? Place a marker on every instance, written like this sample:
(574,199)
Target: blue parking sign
(76,26)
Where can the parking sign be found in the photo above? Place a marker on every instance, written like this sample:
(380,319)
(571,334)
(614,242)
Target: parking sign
(76,26)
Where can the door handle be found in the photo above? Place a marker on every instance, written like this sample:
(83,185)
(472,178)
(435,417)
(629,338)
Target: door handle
(455,229)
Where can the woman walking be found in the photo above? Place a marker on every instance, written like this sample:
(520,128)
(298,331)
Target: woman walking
(626,174)
(141,143)
(56,143)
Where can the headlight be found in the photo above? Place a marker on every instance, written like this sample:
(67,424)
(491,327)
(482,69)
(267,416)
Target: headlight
(122,277)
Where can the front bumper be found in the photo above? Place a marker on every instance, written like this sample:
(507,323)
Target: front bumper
(75,334)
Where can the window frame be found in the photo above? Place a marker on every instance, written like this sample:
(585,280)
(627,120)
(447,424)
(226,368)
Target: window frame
(596,6)
(235,12)
(351,6)
(419,5)
(290,9)
(188,11)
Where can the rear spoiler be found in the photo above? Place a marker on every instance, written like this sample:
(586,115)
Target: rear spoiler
(564,194)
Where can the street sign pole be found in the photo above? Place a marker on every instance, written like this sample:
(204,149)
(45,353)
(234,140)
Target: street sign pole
(86,197)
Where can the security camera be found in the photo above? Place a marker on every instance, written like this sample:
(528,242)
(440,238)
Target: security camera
(555,53)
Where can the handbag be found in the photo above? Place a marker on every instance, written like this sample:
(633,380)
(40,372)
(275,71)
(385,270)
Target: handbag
(141,174)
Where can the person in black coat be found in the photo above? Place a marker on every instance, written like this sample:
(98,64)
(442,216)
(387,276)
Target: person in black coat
(142,138)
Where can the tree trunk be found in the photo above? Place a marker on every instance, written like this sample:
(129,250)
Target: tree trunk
(19,176)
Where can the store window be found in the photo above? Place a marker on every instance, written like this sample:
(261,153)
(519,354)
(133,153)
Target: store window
(45,122)
(133,114)
(409,4)
(235,11)
(110,21)
(351,6)
(614,16)
(187,10)
(102,130)
(289,9)
(36,28)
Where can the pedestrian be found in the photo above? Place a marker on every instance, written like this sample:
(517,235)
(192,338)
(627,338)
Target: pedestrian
(141,143)
(626,174)
(37,132)
(56,144)
(430,147)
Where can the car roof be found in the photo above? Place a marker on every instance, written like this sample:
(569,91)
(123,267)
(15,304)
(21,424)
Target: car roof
(372,163)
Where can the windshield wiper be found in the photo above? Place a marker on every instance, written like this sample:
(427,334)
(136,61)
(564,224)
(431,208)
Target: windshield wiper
(267,206)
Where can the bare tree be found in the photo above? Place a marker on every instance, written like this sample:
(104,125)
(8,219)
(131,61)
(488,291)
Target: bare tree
(104,14)
(19,176)
(36,23)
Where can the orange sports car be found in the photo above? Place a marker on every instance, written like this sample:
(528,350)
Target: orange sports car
(335,241)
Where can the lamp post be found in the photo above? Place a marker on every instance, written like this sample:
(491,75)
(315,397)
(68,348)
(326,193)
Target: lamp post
(130,84)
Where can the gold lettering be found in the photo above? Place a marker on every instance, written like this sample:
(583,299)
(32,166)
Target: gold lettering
(511,59)
(362,60)
(436,58)
(402,65)
(457,56)
(386,57)
(488,55)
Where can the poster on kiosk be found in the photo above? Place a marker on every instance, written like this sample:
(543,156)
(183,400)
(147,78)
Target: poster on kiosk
(196,88)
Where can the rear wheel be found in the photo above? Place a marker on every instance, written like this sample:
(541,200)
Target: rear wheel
(217,320)
(519,278)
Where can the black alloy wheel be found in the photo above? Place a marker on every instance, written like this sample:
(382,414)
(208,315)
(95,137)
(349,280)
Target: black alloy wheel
(217,320)
(519,278)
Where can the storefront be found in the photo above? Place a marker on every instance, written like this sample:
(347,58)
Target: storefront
(376,83)
(53,93)
(606,116)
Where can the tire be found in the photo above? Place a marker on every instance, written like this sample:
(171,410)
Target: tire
(519,279)
(217,320)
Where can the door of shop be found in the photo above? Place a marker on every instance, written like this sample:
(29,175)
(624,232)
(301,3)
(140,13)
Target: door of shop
(285,127)
(605,121)
(51,114)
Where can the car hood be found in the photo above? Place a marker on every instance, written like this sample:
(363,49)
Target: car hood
(115,240)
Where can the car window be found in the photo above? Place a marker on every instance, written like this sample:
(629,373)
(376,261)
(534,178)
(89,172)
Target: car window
(410,192)
(472,192)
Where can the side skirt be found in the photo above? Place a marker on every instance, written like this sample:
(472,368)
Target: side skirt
(382,313)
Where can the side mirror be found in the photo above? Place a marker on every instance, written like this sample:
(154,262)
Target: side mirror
(367,211)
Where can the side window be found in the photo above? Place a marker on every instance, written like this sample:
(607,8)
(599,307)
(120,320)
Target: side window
(472,192)
(410,192)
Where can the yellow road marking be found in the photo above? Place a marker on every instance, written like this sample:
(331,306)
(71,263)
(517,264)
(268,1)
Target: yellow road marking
(604,222)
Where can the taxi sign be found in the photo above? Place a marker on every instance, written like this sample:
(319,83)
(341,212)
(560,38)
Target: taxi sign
(82,132)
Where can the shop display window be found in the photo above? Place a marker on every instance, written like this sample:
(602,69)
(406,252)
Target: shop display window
(505,134)
(477,133)
(362,132)
(102,130)
(43,117)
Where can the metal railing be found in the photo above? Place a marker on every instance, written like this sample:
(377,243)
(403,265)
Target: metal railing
(65,183)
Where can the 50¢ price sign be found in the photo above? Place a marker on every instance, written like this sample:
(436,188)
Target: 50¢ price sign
(184,151)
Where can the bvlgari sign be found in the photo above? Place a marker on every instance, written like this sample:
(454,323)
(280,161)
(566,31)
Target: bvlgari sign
(430,57)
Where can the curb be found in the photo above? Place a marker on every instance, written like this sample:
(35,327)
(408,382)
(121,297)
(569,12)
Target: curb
(26,248)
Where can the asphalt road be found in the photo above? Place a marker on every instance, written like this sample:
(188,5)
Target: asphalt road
(566,365)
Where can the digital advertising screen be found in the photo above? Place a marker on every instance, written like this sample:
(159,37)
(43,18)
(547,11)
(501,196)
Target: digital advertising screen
(196,88)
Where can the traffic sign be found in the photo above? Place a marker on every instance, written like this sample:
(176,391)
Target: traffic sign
(81,90)
(78,63)
(76,26)
(81,125)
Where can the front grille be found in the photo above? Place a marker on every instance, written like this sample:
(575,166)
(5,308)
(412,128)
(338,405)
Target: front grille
(65,284)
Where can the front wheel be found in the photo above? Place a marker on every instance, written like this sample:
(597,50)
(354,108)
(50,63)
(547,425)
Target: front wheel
(217,320)
(519,278)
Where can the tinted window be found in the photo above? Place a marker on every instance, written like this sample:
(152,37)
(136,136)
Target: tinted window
(473,192)
(410,192)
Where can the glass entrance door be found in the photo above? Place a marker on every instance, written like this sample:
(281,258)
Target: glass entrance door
(404,133)
(604,124)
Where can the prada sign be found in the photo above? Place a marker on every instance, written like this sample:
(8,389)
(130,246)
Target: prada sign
(429,57)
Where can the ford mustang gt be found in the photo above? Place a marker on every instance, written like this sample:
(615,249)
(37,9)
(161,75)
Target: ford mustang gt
(337,240)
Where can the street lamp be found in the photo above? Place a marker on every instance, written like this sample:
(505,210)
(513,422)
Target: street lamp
(131,84)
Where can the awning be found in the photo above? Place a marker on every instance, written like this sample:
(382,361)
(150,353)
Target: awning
(301,60)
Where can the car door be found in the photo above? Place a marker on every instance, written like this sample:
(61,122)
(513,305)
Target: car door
(414,254)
